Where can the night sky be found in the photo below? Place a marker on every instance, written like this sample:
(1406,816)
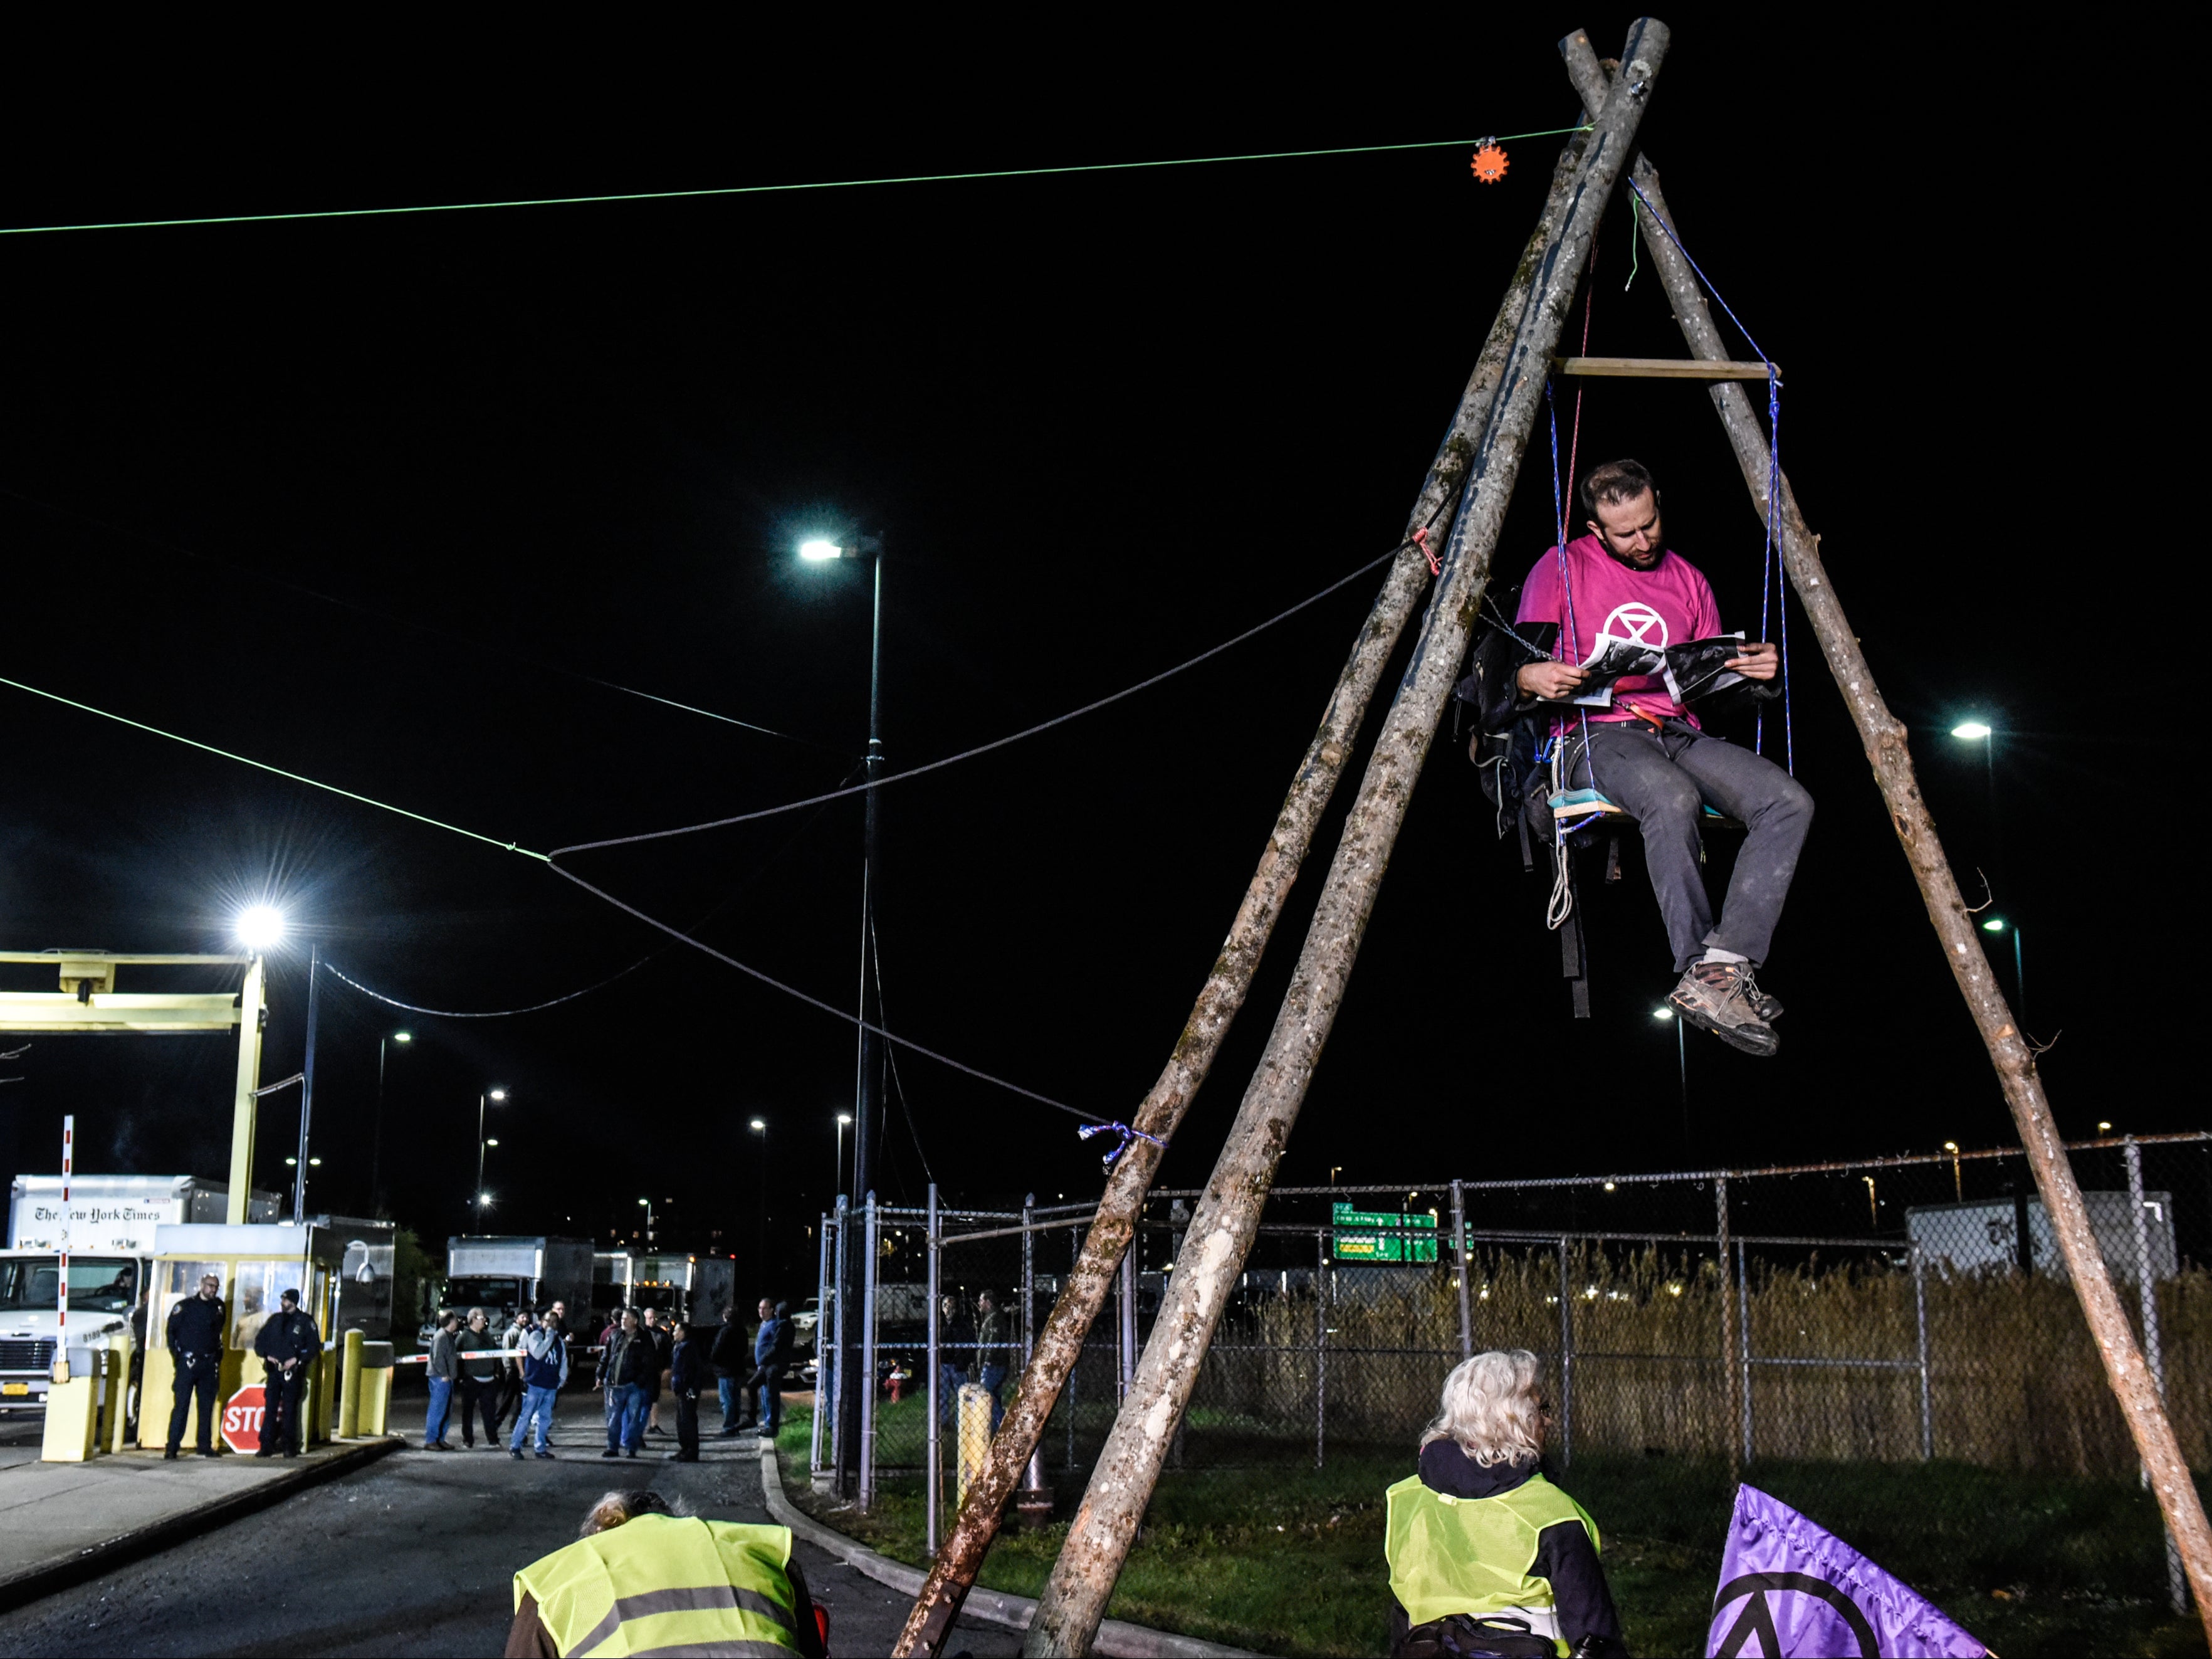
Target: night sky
(384,501)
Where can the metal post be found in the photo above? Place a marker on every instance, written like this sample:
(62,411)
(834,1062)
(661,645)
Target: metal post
(821,1351)
(2176,1581)
(1920,1318)
(1566,1362)
(245,1106)
(863,1381)
(307,1088)
(1074,1371)
(839,1439)
(934,1484)
(1728,1330)
(1744,1341)
(1033,1480)
(870,1061)
(1320,1345)
(1465,1307)
(1128,1366)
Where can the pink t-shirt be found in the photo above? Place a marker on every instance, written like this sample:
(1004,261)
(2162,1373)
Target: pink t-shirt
(1669,604)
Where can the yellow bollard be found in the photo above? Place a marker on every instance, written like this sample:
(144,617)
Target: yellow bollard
(973,1435)
(118,1387)
(375,1388)
(349,1389)
(72,1413)
(157,1382)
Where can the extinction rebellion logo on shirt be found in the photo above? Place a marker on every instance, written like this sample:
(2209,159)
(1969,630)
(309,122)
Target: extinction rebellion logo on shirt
(1633,624)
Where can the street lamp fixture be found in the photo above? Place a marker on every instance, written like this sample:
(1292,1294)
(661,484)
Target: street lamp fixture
(1972,731)
(2104,1128)
(759,1125)
(260,927)
(1663,1013)
(1994,925)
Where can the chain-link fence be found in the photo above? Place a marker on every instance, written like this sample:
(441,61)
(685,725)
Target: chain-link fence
(1772,1325)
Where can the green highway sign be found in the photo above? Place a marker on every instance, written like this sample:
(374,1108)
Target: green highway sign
(1382,1236)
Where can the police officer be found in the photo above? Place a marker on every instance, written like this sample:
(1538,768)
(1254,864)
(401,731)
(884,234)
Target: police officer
(288,1344)
(194,1335)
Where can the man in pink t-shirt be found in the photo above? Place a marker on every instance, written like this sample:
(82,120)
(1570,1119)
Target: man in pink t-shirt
(1646,754)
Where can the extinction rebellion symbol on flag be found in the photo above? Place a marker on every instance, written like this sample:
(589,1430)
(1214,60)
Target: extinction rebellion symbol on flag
(1757,1622)
(1790,1589)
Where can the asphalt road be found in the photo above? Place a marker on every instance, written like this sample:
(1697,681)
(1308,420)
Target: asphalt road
(416,1554)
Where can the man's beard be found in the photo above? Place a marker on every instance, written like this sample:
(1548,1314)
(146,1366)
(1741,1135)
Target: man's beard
(1631,560)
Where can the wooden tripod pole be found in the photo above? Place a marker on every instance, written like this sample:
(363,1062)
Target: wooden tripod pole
(1059,1344)
(1228,1214)
(1884,737)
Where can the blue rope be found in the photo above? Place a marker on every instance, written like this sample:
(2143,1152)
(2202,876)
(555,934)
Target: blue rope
(1566,586)
(1121,1145)
(1771,558)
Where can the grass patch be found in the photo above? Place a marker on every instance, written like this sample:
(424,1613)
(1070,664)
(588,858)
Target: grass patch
(1288,1559)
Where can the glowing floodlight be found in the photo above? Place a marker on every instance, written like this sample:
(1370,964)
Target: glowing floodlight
(818,550)
(1973,730)
(260,927)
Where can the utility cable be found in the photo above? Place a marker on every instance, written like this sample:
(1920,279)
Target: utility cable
(495,1013)
(414,623)
(763,190)
(740,892)
(813,1001)
(996,743)
(263,766)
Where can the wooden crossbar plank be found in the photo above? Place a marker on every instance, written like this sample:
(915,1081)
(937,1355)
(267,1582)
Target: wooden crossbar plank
(1662,368)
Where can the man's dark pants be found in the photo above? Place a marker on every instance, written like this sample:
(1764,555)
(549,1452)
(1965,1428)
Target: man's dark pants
(1662,778)
(765,1387)
(201,1378)
(280,1409)
(687,1426)
(479,1395)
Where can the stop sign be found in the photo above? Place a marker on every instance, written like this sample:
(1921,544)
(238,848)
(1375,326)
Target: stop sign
(241,1419)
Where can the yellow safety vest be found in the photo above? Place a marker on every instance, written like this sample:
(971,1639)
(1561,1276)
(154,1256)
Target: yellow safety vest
(659,1584)
(1472,1555)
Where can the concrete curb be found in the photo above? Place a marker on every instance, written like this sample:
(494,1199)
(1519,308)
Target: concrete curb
(1117,1638)
(48,1576)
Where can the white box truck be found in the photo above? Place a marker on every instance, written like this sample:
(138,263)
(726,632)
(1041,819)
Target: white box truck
(109,1227)
(692,1287)
(504,1275)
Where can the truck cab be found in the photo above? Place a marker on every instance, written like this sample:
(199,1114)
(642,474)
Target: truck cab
(103,1292)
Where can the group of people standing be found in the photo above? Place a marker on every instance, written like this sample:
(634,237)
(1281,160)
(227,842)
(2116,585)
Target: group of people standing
(644,1357)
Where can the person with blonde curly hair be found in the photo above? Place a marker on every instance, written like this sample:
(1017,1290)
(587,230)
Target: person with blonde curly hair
(1487,1556)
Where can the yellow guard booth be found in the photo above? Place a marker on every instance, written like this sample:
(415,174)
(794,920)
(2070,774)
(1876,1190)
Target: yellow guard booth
(257,1264)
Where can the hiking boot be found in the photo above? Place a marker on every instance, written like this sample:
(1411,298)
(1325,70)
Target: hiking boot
(1718,996)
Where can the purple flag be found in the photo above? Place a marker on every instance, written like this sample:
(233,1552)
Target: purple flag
(1791,1590)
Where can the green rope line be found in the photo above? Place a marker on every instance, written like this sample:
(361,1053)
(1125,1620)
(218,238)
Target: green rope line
(759,190)
(263,766)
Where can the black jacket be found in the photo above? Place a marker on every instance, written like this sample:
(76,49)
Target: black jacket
(195,1328)
(686,1372)
(289,1336)
(1565,1557)
(729,1355)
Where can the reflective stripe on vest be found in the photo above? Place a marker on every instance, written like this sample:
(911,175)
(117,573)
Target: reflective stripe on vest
(1472,1555)
(663,1585)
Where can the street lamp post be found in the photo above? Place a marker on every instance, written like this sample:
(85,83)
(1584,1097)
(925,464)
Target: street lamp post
(759,1127)
(1682,1064)
(1998,924)
(483,1097)
(870,1059)
(376,1143)
(647,1203)
(837,1183)
(306,1089)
